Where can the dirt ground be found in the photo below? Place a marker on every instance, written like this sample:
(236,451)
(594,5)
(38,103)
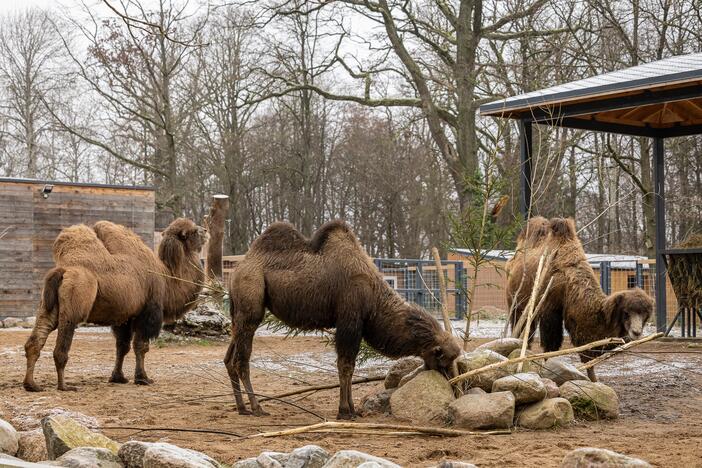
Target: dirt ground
(660,389)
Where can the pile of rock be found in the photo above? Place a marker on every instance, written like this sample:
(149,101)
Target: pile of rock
(204,321)
(63,441)
(542,395)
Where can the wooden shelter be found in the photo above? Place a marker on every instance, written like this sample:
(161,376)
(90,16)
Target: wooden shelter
(657,100)
(33,212)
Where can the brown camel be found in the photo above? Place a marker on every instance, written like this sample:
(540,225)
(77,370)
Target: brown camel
(575,299)
(106,275)
(326,282)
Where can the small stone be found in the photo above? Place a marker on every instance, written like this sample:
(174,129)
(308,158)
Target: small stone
(475,360)
(553,412)
(354,458)
(9,438)
(309,456)
(526,387)
(589,457)
(503,346)
(247,463)
(560,371)
(376,403)
(489,411)
(454,464)
(32,446)
(423,399)
(551,388)
(162,455)
(63,434)
(527,366)
(401,368)
(591,400)
(89,457)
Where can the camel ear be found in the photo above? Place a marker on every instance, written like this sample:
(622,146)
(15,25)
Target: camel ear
(170,251)
(438,352)
(563,228)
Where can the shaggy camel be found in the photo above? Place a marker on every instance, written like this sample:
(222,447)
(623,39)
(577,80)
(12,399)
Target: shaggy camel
(575,299)
(106,275)
(326,282)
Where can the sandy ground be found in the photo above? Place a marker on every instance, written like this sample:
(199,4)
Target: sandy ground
(660,388)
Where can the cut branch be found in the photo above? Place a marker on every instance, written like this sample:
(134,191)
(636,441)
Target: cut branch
(619,349)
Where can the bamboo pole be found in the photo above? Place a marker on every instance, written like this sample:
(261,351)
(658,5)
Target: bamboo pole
(442,289)
(533,357)
(350,426)
(619,349)
(529,311)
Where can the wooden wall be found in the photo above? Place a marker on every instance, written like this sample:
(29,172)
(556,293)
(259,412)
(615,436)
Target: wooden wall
(33,222)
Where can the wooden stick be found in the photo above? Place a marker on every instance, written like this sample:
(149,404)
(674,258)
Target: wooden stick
(533,357)
(329,425)
(214,222)
(530,306)
(442,289)
(618,350)
(323,387)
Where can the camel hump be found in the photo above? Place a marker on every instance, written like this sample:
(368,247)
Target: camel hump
(563,228)
(279,236)
(77,241)
(322,235)
(119,239)
(535,230)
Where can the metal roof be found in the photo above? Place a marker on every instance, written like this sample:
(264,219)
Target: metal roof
(75,184)
(670,71)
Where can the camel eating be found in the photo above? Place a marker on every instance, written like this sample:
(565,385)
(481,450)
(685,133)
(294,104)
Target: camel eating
(106,275)
(327,281)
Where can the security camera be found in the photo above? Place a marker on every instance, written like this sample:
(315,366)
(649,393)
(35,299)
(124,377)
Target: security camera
(46,190)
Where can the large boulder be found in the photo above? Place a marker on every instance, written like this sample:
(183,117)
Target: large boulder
(553,412)
(89,457)
(526,387)
(477,359)
(132,453)
(309,456)
(9,438)
(488,411)
(354,459)
(272,459)
(503,346)
(527,366)
(63,434)
(376,403)
(204,320)
(560,371)
(32,446)
(589,457)
(423,399)
(161,455)
(591,400)
(401,368)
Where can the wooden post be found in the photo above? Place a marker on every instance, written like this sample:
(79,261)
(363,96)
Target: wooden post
(214,222)
(442,289)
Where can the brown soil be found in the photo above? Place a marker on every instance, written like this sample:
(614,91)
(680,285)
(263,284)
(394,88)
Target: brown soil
(661,418)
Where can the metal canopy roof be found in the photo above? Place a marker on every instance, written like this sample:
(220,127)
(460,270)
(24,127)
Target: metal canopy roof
(657,99)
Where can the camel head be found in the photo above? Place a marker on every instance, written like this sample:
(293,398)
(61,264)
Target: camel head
(441,356)
(181,239)
(433,344)
(630,310)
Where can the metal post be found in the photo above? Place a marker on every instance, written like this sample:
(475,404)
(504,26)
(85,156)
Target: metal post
(639,275)
(526,146)
(460,289)
(659,193)
(606,277)
(419,285)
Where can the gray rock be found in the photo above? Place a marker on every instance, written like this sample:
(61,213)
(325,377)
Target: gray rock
(552,390)
(489,411)
(561,371)
(475,391)
(132,453)
(354,458)
(454,464)
(527,366)
(526,387)
(423,399)
(161,455)
(63,434)
(89,457)
(591,400)
(553,412)
(204,320)
(247,463)
(410,376)
(376,403)
(309,456)
(370,464)
(272,459)
(401,368)
(32,446)
(9,438)
(589,457)
(476,360)
(4,456)
(503,346)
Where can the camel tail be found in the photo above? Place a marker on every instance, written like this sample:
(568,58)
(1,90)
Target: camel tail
(52,281)
(149,321)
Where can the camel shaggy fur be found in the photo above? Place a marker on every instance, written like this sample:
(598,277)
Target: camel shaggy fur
(575,299)
(327,281)
(106,275)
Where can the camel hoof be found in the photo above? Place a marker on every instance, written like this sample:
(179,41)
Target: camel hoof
(244,412)
(67,388)
(32,387)
(346,416)
(143,381)
(260,412)
(119,379)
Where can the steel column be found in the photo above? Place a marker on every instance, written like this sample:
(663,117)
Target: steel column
(659,193)
(526,146)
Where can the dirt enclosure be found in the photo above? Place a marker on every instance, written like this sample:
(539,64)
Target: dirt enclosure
(660,390)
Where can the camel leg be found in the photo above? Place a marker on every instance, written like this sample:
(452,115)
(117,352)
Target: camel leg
(234,378)
(45,324)
(348,343)
(141,347)
(585,358)
(64,339)
(123,338)
(242,355)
